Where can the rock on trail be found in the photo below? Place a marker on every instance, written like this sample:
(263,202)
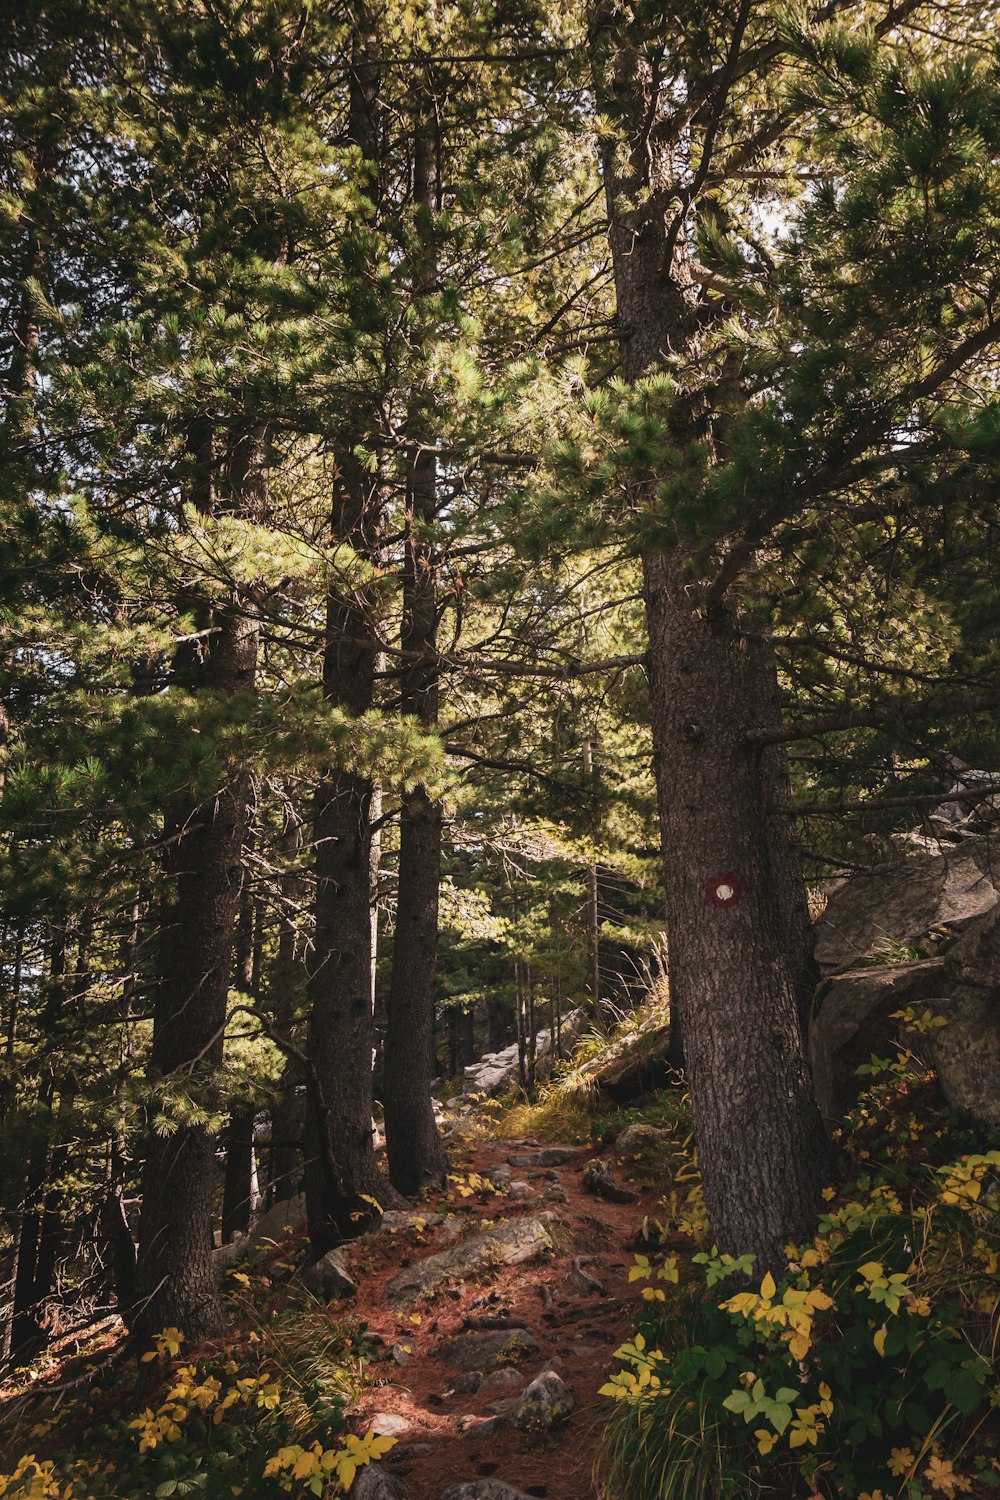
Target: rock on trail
(509,1243)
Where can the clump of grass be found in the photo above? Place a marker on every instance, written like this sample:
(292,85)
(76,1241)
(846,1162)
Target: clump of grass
(672,1450)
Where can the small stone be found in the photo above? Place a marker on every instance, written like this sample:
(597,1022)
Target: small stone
(478,1426)
(549,1156)
(504,1379)
(484,1489)
(544,1403)
(597,1179)
(402,1353)
(501,1175)
(579,1279)
(556,1193)
(520,1191)
(389,1424)
(467,1382)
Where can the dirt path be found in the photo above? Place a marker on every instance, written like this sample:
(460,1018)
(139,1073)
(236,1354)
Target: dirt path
(575,1301)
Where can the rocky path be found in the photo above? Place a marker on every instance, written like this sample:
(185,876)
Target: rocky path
(496,1325)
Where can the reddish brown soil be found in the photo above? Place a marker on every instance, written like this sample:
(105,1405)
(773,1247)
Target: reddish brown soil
(578,1331)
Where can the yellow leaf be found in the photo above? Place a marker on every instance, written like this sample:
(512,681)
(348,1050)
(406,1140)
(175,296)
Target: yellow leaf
(767,1287)
(879,1341)
(900,1460)
(871,1270)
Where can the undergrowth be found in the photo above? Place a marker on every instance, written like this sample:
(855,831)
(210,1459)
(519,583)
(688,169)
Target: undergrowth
(570,1106)
(867,1369)
(266,1416)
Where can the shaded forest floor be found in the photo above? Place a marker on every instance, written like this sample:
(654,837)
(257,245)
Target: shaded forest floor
(438,1338)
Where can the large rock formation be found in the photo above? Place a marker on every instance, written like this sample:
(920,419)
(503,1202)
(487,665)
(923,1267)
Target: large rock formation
(966,1050)
(851,1023)
(496,1071)
(941,900)
(509,1243)
(931,885)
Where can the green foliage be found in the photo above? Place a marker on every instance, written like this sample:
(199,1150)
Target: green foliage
(268,1423)
(867,1368)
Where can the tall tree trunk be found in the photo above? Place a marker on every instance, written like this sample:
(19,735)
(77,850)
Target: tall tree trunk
(343,1182)
(175,1277)
(27,1334)
(287,1123)
(416,1155)
(239,1175)
(736,916)
(341,1170)
(522,1024)
(593,905)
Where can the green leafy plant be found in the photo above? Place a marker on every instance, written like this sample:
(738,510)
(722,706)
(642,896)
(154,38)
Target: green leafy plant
(867,1368)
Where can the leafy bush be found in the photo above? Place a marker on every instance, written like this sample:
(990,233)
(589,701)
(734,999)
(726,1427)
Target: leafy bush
(867,1369)
(271,1425)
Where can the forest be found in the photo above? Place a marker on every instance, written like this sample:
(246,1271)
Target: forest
(499,759)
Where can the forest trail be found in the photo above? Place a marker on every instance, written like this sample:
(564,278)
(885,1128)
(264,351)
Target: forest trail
(574,1300)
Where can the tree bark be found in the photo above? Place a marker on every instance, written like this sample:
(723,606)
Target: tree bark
(176,1281)
(341,1026)
(239,1176)
(343,1182)
(736,914)
(593,904)
(287,1124)
(413,1145)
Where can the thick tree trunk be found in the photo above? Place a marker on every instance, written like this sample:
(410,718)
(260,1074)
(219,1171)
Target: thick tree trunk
(736,906)
(498,1026)
(343,1182)
(176,1281)
(239,1177)
(736,917)
(416,1155)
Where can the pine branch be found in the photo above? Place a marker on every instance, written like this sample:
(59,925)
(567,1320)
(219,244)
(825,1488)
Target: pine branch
(876,717)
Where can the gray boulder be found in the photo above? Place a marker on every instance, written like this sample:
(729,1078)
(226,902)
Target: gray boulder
(509,1243)
(543,1404)
(851,1021)
(639,1137)
(966,1050)
(483,1489)
(496,1071)
(290,1213)
(548,1156)
(329,1277)
(373,1483)
(506,1378)
(396,1220)
(937,885)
